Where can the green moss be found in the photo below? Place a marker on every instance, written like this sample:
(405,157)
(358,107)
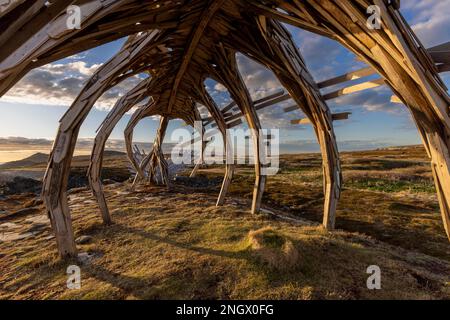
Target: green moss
(385,185)
(272,239)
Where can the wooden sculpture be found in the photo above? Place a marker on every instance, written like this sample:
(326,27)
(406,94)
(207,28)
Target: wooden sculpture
(179,44)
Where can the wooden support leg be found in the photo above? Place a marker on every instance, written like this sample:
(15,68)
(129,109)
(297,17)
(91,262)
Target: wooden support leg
(440,164)
(143,165)
(398,56)
(55,195)
(196,167)
(226,70)
(94,172)
(277,51)
(155,157)
(229,170)
(56,177)
(158,159)
(434,130)
(331,174)
(294,75)
(218,117)
(202,153)
(128,133)
(312,104)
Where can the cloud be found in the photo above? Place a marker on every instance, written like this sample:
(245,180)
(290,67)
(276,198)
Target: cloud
(59,84)
(430,20)
(25,141)
(376,99)
(261,82)
(220,87)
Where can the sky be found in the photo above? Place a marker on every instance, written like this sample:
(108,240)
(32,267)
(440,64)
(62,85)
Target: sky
(33,107)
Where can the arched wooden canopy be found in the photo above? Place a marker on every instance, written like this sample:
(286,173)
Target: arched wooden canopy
(181,43)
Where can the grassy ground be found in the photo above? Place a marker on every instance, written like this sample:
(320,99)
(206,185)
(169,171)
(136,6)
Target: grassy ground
(388,194)
(177,244)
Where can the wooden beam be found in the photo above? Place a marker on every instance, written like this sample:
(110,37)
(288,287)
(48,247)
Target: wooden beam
(347,77)
(193,43)
(335,117)
(354,88)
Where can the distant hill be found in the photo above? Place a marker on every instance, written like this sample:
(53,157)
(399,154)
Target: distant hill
(35,159)
(42,158)
(24,141)
(113,153)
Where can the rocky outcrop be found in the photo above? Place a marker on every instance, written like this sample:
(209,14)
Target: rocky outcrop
(77,179)
(21,185)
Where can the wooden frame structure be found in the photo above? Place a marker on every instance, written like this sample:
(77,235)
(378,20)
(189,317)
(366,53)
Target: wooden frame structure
(181,43)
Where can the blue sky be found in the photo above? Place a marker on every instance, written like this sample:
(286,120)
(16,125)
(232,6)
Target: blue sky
(33,107)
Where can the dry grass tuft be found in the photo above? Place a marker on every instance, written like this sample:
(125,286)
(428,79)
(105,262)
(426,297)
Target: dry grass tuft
(274,249)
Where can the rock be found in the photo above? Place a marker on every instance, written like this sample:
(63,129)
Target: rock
(9,225)
(108,182)
(76,190)
(172,170)
(77,178)
(73,198)
(22,185)
(30,233)
(199,181)
(33,203)
(14,236)
(42,219)
(37,227)
(86,257)
(83,240)
(21,212)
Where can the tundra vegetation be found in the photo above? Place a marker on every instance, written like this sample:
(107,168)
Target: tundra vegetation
(175,243)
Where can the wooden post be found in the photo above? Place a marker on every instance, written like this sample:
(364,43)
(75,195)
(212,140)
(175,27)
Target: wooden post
(158,159)
(226,70)
(218,117)
(56,177)
(94,172)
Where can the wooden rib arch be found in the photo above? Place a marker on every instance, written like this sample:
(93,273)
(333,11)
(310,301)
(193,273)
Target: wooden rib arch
(123,105)
(56,176)
(228,73)
(219,119)
(291,71)
(393,51)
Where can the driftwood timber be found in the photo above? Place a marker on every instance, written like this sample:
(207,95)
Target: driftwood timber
(181,43)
